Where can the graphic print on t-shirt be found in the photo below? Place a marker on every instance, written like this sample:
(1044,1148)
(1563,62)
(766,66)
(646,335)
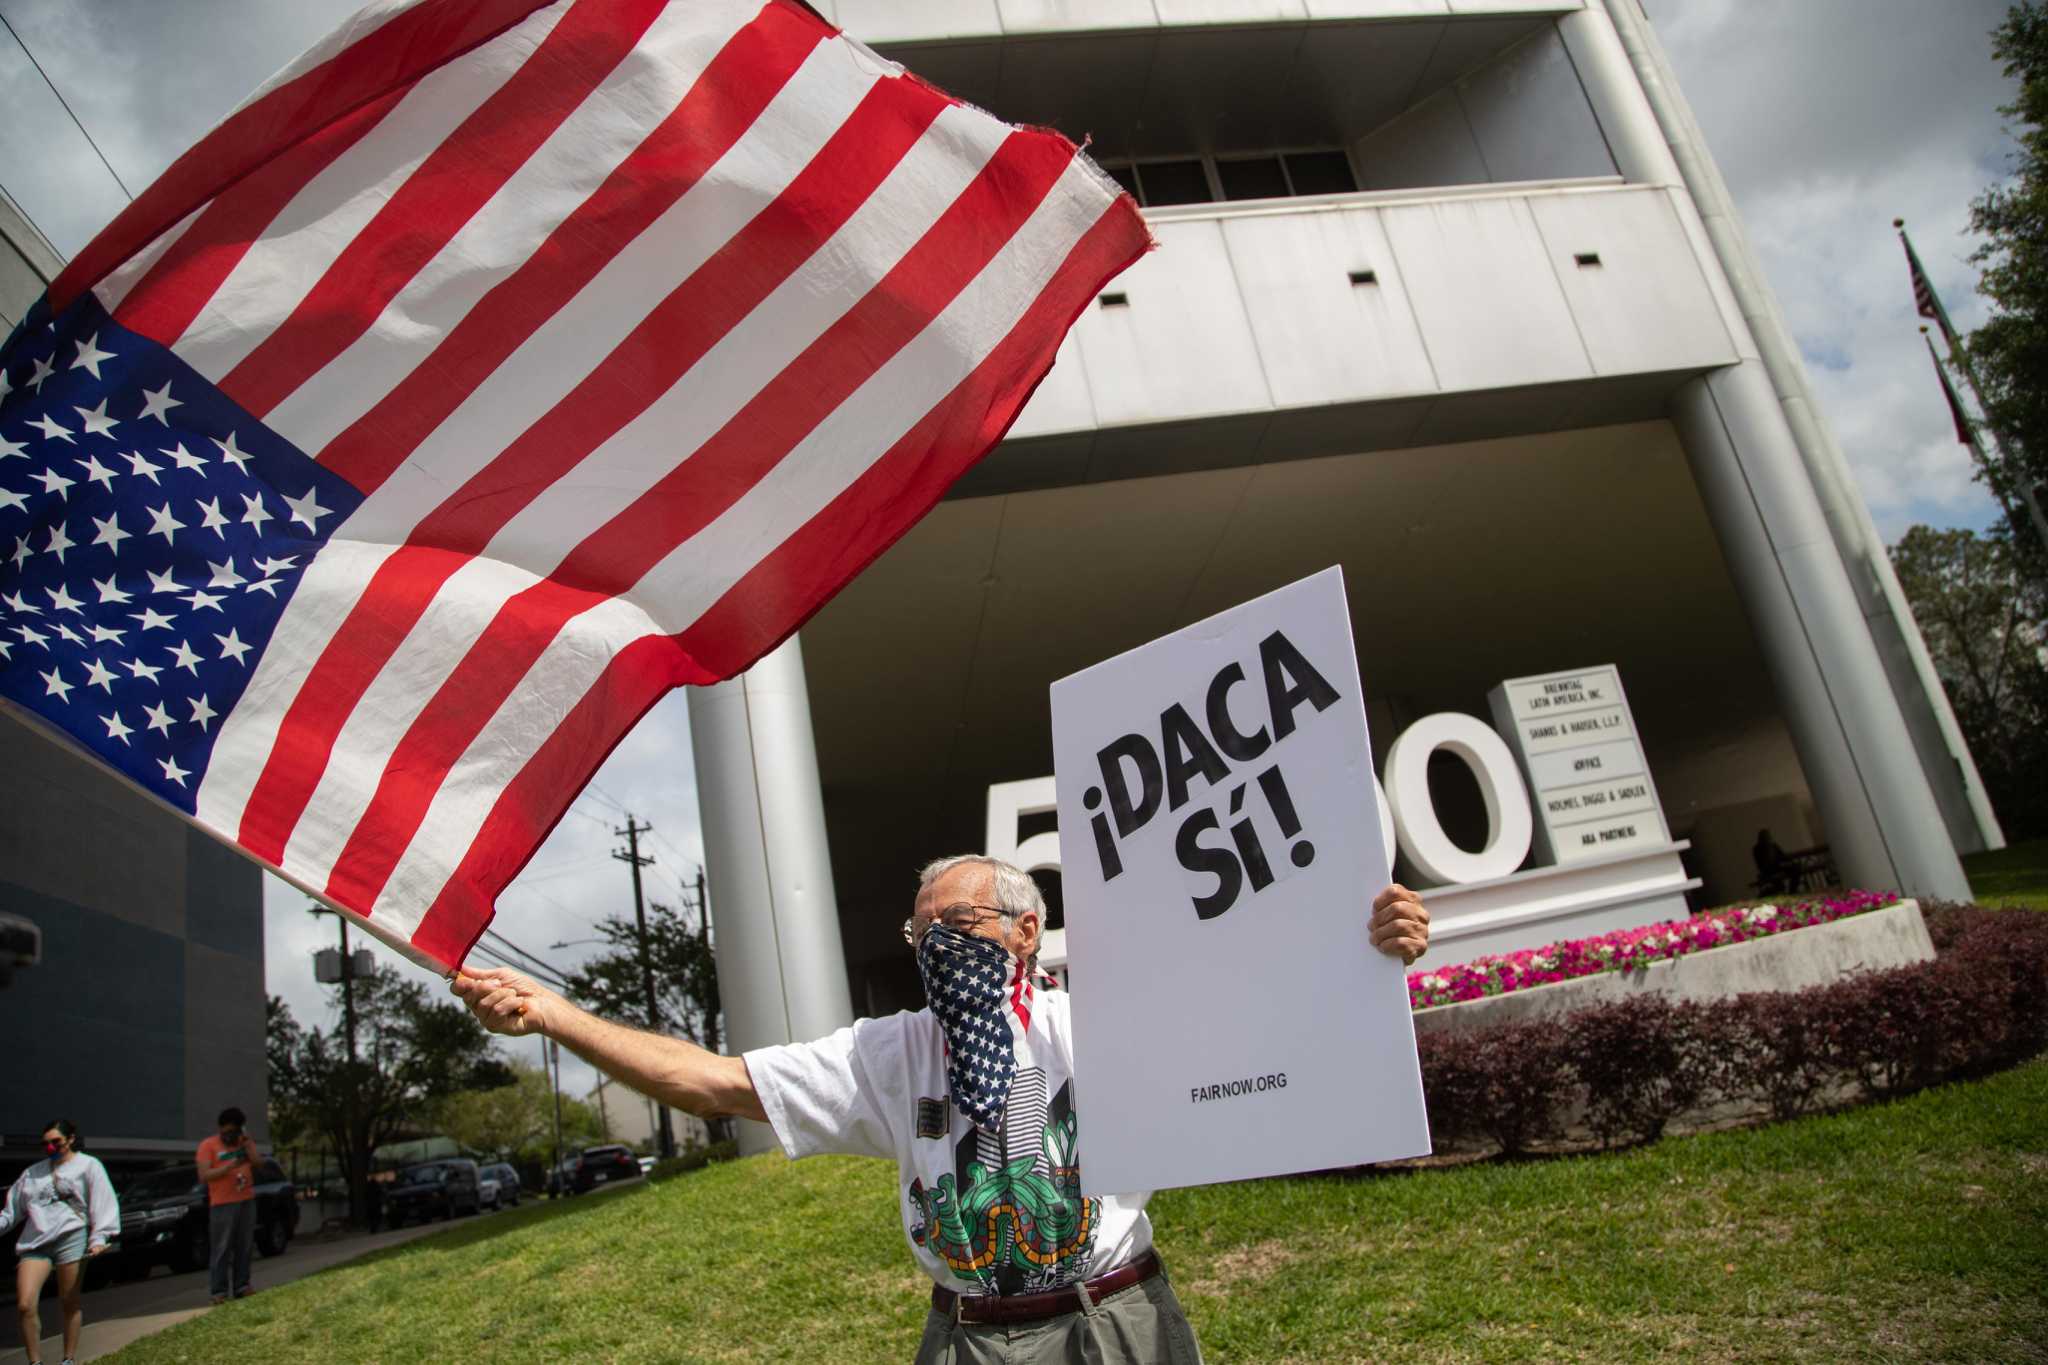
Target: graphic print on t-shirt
(1011,1215)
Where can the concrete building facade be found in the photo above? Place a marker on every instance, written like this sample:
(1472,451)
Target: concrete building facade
(145,1017)
(1447,292)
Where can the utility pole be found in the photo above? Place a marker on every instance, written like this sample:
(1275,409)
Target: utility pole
(633,858)
(348,990)
(715,1130)
(704,939)
(346,975)
(550,1049)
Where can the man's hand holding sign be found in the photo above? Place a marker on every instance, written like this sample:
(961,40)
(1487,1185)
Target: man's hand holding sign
(1231,1018)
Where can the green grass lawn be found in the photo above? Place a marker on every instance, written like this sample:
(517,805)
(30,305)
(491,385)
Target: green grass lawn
(1911,1231)
(2012,876)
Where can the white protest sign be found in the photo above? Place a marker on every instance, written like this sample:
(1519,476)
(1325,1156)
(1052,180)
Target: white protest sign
(1222,848)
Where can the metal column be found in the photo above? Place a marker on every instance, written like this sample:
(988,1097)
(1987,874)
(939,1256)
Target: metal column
(781,969)
(1847,660)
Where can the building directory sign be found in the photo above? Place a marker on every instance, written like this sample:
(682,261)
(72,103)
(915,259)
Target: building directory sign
(1221,849)
(1576,742)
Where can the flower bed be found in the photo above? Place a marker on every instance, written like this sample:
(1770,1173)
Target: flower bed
(1624,1070)
(1628,949)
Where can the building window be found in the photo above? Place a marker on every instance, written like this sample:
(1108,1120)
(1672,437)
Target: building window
(1174,182)
(1320,172)
(1207,180)
(1252,177)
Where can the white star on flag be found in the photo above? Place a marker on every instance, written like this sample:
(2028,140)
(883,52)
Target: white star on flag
(95,420)
(230,455)
(307,508)
(157,403)
(51,430)
(110,535)
(90,356)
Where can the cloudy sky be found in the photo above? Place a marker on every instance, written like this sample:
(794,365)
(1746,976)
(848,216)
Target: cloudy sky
(1828,117)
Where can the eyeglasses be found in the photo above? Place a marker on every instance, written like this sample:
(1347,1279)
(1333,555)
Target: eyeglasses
(961,919)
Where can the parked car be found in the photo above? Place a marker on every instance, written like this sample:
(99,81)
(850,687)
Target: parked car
(163,1218)
(434,1189)
(602,1166)
(500,1185)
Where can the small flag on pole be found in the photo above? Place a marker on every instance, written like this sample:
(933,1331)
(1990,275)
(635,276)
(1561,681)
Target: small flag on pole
(1925,301)
(1955,402)
(498,367)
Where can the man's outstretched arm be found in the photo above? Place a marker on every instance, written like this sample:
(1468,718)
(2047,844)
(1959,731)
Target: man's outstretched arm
(678,1074)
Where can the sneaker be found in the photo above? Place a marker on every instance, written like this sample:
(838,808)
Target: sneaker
(218,1299)
(245,1291)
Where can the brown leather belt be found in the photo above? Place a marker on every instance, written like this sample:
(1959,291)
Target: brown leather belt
(1052,1303)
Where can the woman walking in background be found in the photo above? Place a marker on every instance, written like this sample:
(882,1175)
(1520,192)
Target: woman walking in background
(68,1211)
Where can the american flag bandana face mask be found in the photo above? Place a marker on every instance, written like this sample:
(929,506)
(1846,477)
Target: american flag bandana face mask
(963,979)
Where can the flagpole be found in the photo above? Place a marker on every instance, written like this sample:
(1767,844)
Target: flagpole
(1968,429)
(1927,302)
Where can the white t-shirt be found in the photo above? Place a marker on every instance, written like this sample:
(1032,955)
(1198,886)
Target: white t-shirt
(984,1213)
(52,1202)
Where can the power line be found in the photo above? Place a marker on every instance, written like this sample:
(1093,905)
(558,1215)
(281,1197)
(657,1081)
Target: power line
(497,959)
(506,954)
(78,122)
(539,964)
(484,950)
(592,789)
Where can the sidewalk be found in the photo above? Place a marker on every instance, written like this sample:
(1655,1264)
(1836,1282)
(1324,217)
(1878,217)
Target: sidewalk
(121,1313)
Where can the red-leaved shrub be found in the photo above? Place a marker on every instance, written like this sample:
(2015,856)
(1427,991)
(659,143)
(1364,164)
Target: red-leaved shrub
(1625,1070)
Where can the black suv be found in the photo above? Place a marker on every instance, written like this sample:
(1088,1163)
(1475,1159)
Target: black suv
(433,1189)
(163,1218)
(596,1166)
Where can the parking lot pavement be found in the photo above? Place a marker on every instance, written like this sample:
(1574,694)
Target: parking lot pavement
(121,1313)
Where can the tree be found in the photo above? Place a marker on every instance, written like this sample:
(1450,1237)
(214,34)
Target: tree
(516,1121)
(685,980)
(1983,622)
(410,1050)
(685,976)
(2008,355)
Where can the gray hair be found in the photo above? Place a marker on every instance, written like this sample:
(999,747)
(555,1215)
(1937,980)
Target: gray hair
(1016,893)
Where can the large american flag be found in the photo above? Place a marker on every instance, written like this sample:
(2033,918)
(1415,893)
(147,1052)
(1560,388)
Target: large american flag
(495,369)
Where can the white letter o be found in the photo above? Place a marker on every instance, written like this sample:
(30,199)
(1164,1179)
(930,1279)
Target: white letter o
(1508,825)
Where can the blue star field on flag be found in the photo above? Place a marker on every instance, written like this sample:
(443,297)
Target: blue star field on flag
(151,533)
(964,978)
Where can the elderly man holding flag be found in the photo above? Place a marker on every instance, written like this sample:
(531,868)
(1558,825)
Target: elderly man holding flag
(980,1082)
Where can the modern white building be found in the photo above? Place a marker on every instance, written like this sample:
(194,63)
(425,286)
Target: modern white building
(1447,292)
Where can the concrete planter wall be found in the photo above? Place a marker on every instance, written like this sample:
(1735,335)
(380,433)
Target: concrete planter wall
(1789,961)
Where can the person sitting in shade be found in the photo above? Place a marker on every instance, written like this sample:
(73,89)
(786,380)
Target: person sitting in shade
(977,1087)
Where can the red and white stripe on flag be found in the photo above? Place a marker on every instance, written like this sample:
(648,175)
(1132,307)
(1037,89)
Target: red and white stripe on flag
(642,327)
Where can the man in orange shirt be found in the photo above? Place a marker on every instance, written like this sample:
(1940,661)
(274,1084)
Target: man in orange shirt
(227,1163)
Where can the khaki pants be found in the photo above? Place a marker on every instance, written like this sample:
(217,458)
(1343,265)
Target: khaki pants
(1141,1325)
